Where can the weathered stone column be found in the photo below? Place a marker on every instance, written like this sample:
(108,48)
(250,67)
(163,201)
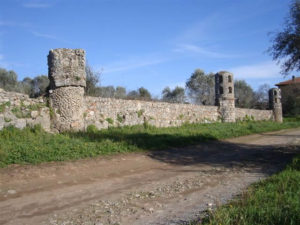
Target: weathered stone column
(224,89)
(275,103)
(66,72)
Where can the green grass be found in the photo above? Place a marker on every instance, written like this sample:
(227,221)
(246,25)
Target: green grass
(33,145)
(3,106)
(292,119)
(109,120)
(275,201)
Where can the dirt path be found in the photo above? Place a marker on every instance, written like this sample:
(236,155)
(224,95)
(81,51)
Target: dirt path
(159,187)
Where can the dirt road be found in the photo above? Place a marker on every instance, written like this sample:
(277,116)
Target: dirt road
(160,187)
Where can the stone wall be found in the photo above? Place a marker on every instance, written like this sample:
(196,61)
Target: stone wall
(20,111)
(257,114)
(105,112)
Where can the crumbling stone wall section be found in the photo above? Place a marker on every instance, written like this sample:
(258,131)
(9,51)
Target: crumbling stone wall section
(224,92)
(275,103)
(67,81)
(253,114)
(19,110)
(105,112)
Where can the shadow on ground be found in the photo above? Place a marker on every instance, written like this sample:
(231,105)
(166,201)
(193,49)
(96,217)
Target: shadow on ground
(169,148)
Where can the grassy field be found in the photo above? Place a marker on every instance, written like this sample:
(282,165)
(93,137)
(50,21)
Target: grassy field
(275,201)
(33,145)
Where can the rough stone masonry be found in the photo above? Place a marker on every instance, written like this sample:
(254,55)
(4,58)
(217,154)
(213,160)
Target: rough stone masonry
(69,109)
(67,82)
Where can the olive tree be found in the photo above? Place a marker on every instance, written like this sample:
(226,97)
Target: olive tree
(176,95)
(201,88)
(285,47)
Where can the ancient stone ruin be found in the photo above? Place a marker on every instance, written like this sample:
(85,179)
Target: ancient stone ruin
(275,103)
(68,109)
(67,82)
(224,91)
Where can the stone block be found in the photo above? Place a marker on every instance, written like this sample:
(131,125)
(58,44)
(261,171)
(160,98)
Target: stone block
(20,123)
(34,114)
(66,67)
(67,104)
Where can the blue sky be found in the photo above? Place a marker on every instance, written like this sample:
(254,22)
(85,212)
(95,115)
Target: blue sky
(150,43)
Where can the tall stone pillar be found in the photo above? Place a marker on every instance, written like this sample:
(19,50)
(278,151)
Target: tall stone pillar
(275,103)
(66,72)
(224,89)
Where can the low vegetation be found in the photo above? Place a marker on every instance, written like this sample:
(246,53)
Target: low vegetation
(272,201)
(33,145)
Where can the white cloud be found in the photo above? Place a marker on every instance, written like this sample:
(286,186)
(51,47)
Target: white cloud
(36,5)
(7,23)
(268,69)
(48,36)
(200,30)
(13,24)
(202,51)
(130,64)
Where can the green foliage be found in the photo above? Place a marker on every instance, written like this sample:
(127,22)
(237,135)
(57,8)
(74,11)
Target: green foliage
(285,45)
(180,116)
(120,92)
(248,118)
(33,87)
(7,120)
(141,94)
(144,94)
(261,97)
(291,103)
(120,118)
(244,94)
(23,111)
(110,120)
(3,106)
(8,80)
(201,87)
(19,113)
(39,86)
(140,112)
(92,80)
(106,91)
(33,145)
(35,107)
(91,129)
(177,95)
(51,112)
(292,119)
(273,201)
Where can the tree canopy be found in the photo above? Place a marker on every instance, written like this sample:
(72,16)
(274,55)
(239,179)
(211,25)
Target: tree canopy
(243,93)
(285,47)
(176,95)
(92,81)
(8,80)
(201,87)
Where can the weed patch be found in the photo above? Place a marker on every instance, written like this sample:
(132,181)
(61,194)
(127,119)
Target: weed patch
(33,145)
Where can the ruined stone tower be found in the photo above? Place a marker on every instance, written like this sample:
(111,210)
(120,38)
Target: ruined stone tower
(66,72)
(275,103)
(224,89)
